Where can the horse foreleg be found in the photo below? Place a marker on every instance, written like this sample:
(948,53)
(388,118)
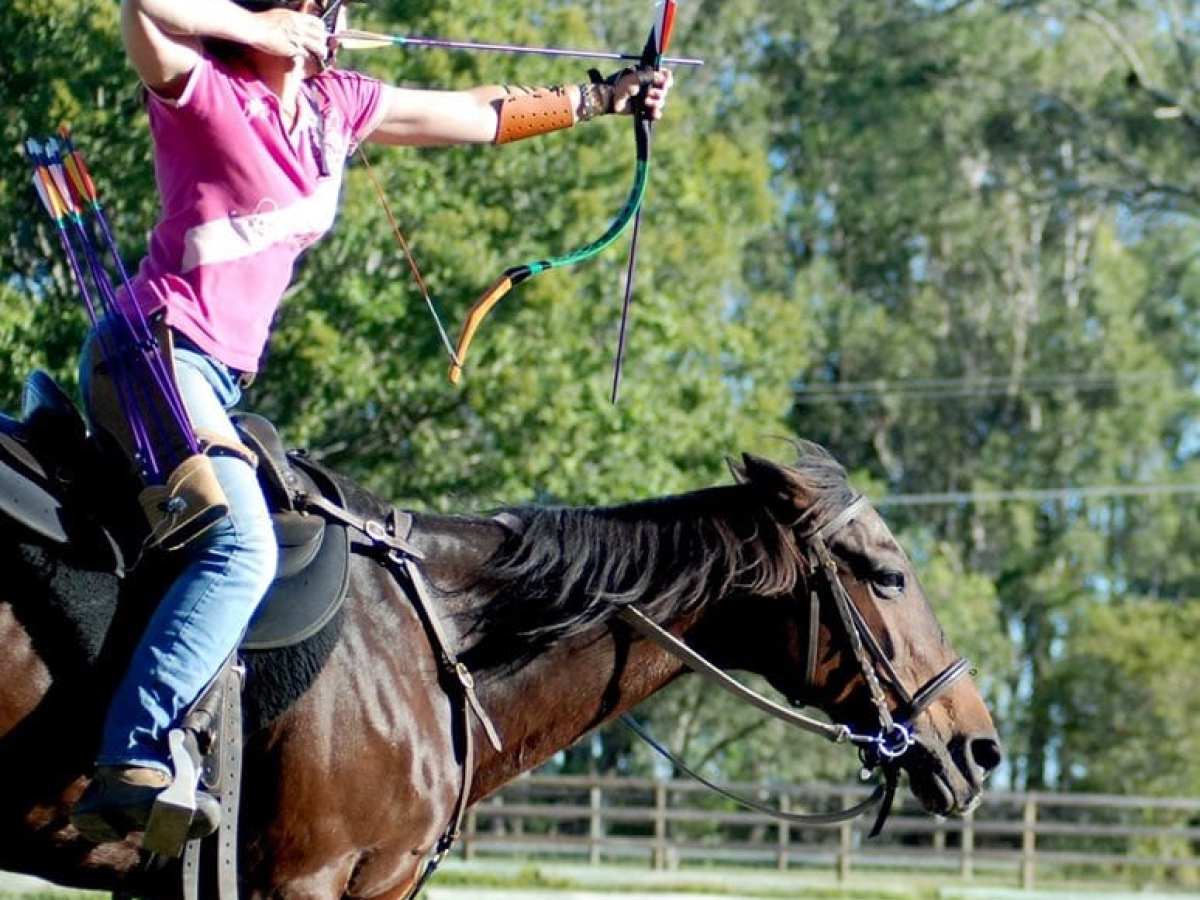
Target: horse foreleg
(326,883)
(390,874)
(400,893)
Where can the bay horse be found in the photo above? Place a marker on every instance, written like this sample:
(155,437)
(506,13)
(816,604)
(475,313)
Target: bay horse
(346,790)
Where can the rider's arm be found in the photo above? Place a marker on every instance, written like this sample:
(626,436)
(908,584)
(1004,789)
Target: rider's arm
(428,118)
(432,118)
(163,37)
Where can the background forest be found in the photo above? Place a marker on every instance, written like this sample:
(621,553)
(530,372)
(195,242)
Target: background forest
(955,242)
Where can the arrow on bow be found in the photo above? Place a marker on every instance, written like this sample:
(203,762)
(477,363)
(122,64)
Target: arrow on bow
(357,39)
(651,57)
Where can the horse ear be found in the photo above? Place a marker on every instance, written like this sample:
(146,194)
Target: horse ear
(777,484)
(738,473)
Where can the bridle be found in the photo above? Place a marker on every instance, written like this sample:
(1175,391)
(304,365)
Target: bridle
(895,736)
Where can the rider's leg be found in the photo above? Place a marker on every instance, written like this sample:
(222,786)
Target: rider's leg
(198,623)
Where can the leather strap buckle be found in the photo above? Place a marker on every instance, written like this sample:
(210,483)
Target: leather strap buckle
(464,675)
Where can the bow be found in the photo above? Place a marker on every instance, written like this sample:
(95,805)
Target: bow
(651,58)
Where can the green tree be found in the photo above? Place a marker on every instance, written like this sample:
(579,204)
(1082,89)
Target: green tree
(1127,682)
(994,239)
(954,242)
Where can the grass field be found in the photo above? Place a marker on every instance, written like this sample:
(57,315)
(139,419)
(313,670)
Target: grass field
(540,880)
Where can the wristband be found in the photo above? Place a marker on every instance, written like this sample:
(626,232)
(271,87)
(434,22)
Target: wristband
(594,100)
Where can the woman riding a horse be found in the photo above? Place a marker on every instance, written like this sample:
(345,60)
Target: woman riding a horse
(251,125)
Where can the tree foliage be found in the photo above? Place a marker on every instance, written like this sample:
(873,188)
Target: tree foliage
(953,241)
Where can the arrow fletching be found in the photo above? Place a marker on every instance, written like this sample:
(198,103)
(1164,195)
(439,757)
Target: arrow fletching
(354,39)
(81,178)
(44,183)
(54,165)
(665,26)
(41,192)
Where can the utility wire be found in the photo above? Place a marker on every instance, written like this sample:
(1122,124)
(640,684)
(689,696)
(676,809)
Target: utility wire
(984,385)
(1038,495)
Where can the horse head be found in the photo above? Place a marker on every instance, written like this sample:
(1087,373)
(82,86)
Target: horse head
(857,638)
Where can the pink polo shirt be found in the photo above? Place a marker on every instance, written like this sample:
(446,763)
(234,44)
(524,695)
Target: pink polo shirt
(243,197)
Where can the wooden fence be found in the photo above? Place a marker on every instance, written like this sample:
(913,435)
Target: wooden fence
(666,822)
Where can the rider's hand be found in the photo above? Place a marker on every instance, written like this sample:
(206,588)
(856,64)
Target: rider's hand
(284,32)
(629,84)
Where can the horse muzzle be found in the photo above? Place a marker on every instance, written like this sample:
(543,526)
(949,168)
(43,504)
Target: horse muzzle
(947,777)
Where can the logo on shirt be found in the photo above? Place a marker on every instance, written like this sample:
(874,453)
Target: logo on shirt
(296,225)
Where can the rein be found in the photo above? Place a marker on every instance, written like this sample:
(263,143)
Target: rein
(883,750)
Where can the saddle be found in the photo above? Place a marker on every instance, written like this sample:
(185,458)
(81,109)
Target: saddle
(47,454)
(35,451)
(46,459)
(314,553)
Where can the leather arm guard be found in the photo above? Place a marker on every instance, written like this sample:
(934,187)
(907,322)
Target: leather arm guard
(533,111)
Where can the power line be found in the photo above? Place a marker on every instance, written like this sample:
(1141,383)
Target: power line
(974,386)
(1038,495)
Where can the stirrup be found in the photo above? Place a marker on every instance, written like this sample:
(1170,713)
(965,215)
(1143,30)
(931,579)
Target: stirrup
(174,810)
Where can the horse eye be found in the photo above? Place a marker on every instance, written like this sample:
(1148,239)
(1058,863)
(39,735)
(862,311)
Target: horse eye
(888,583)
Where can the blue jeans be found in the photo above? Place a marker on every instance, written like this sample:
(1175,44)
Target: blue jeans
(204,614)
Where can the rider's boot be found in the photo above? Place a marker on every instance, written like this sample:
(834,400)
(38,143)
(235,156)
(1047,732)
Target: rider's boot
(120,799)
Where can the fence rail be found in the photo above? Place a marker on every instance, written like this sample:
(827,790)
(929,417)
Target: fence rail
(667,822)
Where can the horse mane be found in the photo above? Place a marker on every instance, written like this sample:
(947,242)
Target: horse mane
(565,570)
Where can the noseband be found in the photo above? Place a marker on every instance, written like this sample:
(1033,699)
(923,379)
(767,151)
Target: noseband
(896,735)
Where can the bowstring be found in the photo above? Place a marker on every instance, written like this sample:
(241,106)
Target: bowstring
(412,262)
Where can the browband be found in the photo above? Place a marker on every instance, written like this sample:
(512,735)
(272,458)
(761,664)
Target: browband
(839,521)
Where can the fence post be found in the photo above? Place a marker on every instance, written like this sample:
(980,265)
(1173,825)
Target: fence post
(659,856)
(845,838)
(468,843)
(1028,842)
(516,824)
(785,833)
(967,861)
(595,823)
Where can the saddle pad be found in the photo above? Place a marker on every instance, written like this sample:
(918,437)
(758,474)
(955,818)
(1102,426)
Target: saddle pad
(299,605)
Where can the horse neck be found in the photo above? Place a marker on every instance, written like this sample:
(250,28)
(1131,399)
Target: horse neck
(550,703)
(589,676)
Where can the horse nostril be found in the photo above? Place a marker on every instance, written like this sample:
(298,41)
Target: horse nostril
(985,753)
